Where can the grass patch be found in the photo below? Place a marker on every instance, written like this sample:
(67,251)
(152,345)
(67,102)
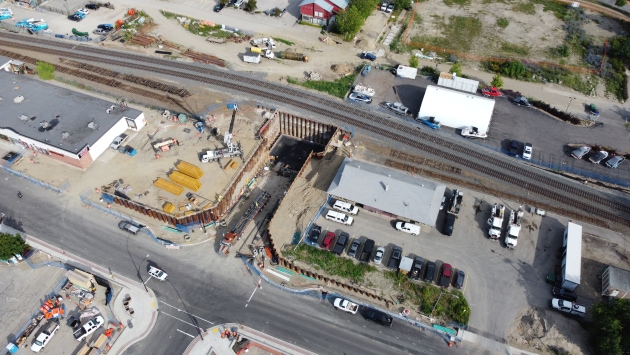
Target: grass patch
(288,43)
(525,7)
(559,9)
(515,48)
(452,305)
(502,22)
(329,262)
(337,88)
(46,71)
(459,34)
(457,2)
(417,19)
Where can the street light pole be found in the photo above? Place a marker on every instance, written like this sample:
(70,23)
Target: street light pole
(571,100)
(140,274)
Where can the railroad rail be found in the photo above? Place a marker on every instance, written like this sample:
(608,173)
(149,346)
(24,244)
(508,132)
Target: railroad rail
(569,194)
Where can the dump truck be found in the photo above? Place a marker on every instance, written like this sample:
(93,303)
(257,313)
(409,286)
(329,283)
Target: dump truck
(514,228)
(264,42)
(496,221)
(239,228)
(293,56)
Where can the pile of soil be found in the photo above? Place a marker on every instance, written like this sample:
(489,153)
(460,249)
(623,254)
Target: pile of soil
(342,68)
(364,45)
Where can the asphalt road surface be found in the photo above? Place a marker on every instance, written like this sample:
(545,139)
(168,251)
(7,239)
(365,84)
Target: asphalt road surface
(203,289)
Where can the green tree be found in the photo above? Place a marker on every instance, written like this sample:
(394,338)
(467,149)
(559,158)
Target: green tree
(456,69)
(515,70)
(413,61)
(610,332)
(497,81)
(349,22)
(45,70)
(251,6)
(620,47)
(11,244)
(402,4)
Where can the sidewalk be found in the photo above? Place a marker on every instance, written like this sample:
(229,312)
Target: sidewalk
(143,303)
(214,343)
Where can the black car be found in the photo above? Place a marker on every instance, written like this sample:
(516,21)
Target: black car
(515,148)
(313,237)
(379,317)
(460,276)
(522,101)
(105,27)
(75,17)
(430,275)
(219,7)
(416,269)
(354,247)
(394,260)
(368,247)
(449,225)
(342,241)
(92,6)
(564,294)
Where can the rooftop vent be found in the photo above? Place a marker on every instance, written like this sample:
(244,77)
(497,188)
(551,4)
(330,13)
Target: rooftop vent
(65,135)
(24,117)
(46,126)
(93,125)
(18,99)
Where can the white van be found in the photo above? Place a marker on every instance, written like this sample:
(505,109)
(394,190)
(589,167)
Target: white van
(339,217)
(408,228)
(346,207)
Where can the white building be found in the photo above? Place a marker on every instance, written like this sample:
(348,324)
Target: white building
(457,109)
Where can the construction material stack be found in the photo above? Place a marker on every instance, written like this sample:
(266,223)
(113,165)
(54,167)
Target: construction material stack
(456,201)
(189,169)
(237,231)
(168,186)
(514,228)
(185,180)
(496,221)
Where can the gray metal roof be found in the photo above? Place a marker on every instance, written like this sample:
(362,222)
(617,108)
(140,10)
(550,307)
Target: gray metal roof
(64,110)
(619,278)
(389,190)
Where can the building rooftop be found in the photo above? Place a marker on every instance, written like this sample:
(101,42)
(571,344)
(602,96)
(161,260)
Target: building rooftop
(59,117)
(321,3)
(388,190)
(619,278)
(342,4)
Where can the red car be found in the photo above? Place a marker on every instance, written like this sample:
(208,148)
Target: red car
(491,92)
(328,239)
(447,274)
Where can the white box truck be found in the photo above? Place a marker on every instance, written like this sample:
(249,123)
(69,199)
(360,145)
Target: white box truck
(251,58)
(403,71)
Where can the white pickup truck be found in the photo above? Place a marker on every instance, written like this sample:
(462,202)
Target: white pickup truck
(44,337)
(346,305)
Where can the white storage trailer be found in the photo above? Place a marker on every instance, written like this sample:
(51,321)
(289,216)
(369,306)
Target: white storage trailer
(251,58)
(572,259)
(616,282)
(403,71)
(457,109)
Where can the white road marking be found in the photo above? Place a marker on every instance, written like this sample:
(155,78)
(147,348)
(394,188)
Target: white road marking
(192,336)
(181,320)
(190,314)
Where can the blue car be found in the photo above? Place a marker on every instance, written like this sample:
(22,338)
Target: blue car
(430,121)
(367,55)
(366,70)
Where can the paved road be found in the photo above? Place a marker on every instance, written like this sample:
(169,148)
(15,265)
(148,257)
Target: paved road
(211,289)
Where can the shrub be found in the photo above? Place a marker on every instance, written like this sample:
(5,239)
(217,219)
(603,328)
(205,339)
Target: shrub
(413,61)
(502,22)
(428,70)
(251,5)
(620,2)
(46,71)
(567,117)
(497,81)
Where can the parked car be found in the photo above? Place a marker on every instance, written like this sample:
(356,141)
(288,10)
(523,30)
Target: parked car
(408,228)
(447,274)
(527,151)
(366,253)
(342,241)
(106,27)
(128,227)
(522,101)
(460,276)
(92,6)
(83,11)
(157,273)
(430,275)
(346,305)
(568,307)
(491,92)
(354,247)
(416,269)
(449,224)
(75,17)
(515,148)
(378,257)
(592,110)
(100,31)
(397,107)
(328,239)
(379,317)
(580,152)
(384,6)
(355,96)
(366,70)
(118,141)
(615,161)
(368,56)
(219,7)
(313,236)
(394,259)
(88,328)
(597,157)
(129,150)
(48,331)
(561,293)
(390,8)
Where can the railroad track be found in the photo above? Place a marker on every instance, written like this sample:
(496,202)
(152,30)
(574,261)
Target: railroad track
(493,166)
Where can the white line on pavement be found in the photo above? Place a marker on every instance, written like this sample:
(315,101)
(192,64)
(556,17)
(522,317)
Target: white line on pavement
(181,320)
(190,314)
(192,336)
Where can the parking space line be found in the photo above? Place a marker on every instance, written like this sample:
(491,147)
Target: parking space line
(192,336)
(190,314)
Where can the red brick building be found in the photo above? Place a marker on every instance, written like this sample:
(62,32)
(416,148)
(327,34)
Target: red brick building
(321,11)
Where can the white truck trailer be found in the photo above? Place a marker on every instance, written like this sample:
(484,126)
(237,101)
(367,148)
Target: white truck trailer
(572,260)
(514,228)
(251,58)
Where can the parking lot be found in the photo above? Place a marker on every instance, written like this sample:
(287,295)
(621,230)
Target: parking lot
(509,122)
(500,282)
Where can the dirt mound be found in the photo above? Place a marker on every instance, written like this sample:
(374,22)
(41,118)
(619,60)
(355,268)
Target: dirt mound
(364,44)
(342,68)
(547,333)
